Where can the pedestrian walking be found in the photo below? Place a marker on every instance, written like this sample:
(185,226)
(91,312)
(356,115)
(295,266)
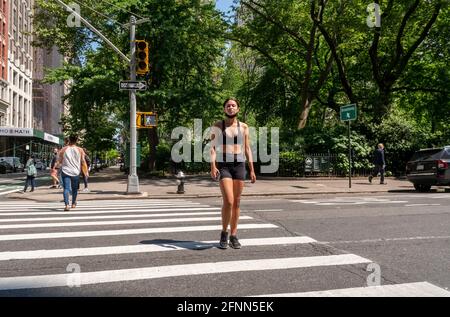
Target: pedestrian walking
(71,160)
(229,142)
(83,175)
(54,170)
(31,174)
(380,164)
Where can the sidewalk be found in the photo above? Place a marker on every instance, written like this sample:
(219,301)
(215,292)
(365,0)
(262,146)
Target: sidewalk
(112,184)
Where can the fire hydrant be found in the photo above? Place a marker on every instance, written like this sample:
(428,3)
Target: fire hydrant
(180,181)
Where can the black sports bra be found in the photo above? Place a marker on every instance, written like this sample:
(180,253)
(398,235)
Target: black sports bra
(231,140)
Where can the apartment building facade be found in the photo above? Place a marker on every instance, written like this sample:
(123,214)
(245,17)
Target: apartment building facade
(4,40)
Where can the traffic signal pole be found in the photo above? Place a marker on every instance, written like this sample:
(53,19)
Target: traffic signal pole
(133,180)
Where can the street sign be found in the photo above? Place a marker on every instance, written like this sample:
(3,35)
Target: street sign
(348,112)
(133,85)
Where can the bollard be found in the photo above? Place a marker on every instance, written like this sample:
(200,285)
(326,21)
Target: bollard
(180,181)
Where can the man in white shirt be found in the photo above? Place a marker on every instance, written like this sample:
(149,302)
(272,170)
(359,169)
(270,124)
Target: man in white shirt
(72,161)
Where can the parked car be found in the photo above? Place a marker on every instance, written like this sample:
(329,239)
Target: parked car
(5,167)
(14,162)
(429,167)
(39,165)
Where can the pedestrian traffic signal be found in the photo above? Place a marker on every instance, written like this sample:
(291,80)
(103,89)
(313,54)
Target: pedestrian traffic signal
(146,119)
(142,57)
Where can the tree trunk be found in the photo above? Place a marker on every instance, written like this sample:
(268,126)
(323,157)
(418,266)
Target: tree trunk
(306,107)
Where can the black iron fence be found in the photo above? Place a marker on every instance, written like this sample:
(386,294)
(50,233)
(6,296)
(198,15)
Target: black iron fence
(294,165)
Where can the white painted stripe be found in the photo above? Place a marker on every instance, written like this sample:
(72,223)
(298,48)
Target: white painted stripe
(102,233)
(423,289)
(100,202)
(112,223)
(144,248)
(176,214)
(145,273)
(420,205)
(267,210)
(361,203)
(118,207)
(10,191)
(77,212)
(387,239)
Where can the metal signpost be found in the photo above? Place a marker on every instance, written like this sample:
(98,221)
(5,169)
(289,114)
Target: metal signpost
(349,113)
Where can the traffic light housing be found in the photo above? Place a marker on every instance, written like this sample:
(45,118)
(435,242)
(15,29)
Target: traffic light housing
(146,119)
(142,57)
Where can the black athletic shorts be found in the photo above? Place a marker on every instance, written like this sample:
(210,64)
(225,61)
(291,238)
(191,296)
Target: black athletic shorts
(233,170)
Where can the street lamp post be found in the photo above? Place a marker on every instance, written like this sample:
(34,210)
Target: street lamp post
(133,180)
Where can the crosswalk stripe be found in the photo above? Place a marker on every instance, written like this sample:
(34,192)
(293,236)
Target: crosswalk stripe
(101,202)
(106,207)
(77,212)
(10,191)
(203,213)
(422,289)
(77,234)
(112,223)
(145,273)
(157,247)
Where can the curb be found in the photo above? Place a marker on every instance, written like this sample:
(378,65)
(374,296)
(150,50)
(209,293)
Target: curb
(218,195)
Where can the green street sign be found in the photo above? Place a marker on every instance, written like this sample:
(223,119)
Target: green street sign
(348,112)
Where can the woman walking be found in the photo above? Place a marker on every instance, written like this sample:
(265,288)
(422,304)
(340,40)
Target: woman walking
(71,159)
(229,142)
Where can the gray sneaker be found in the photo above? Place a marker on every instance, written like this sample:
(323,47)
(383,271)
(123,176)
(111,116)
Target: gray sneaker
(223,243)
(234,242)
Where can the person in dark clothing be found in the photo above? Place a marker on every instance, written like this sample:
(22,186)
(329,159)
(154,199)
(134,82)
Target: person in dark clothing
(85,177)
(380,164)
(31,174)
(54,171)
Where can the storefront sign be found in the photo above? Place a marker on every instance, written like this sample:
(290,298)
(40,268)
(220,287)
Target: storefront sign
(51,138)
(25,132)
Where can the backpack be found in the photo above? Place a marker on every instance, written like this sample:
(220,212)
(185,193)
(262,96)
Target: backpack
(31,170)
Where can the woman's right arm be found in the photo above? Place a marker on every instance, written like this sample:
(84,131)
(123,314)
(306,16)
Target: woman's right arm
(213,152)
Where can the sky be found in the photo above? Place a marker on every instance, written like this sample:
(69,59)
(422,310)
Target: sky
(224,5)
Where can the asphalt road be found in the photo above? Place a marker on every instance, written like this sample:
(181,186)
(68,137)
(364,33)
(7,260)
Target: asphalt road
(340,245)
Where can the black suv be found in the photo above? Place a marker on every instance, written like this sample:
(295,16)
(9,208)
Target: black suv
(429,167)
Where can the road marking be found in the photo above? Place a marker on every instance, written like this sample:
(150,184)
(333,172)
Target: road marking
(419,205)
(423,289)
(60,211)
(102,233)
(145,273)
(11,191)
(112,223)
(104,207)
(386,240)
(176,214)
(266,210)
(144,248)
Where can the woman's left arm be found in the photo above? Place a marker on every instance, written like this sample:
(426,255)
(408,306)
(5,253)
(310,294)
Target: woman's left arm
(248,154)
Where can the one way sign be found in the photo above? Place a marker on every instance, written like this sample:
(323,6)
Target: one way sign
(133,85)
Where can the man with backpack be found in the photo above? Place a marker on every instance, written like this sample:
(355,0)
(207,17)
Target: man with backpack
(31,174)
